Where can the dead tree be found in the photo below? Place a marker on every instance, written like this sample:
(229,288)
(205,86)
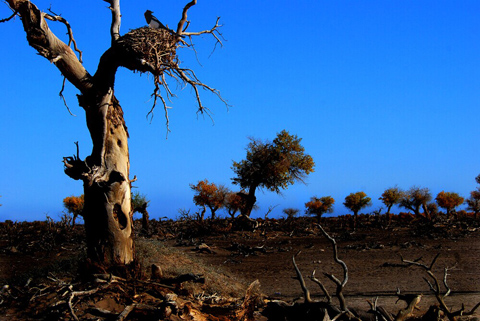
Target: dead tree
(342,310)
(340,284)
(434,285)
(105,173)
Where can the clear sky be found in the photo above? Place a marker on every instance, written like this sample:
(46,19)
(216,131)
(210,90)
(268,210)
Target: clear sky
(382,93)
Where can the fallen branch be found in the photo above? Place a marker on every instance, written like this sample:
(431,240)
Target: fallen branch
(126,312)
(74,294)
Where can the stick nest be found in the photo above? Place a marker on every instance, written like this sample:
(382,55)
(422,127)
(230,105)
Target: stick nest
(153,50)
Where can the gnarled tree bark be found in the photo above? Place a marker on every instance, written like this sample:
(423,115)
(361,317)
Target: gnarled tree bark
(108,213)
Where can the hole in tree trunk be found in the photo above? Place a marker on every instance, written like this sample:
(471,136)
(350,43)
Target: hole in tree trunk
(120,216)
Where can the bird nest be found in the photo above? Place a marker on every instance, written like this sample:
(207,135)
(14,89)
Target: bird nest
(147,49)
(155,51)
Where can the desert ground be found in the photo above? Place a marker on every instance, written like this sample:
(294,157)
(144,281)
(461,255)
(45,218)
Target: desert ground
(38,257)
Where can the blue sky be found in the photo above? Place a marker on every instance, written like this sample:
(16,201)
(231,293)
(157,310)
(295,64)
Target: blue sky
(382,93)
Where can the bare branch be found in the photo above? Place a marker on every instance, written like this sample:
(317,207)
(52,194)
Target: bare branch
(324,289)
(73,294)
(428,269)
(42,39)
(63,97)
(129,308)
(156,94)
(213,31)
(78,150)
(182,21)
(195,83)
(186,27)
(340,284)
(335,256)
(445,274)
(9,18)
(473,310)
(379,311)
(71,40)
(306,292)
(116,19)
(433,261)
(159,79)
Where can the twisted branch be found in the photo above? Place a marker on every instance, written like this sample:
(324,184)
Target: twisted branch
(195,83)
(71,40)
(340,284)
(63,97)
(182,21)
(306,292)
(324,289)
(213,31)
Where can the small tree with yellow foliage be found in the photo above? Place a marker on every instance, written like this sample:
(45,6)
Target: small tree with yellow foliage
(473,201)
(319,206)
(272,165)
(448,201)
(209,195)
(355,202)
(74,206)
(233,203)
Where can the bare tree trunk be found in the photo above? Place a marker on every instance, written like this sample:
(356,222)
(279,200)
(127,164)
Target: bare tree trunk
(355,219)
(213,210)
(108,212)
(201,215)
(145,220)
(145,216)
(250,201)
(105,173)
(389,216)
(426,212)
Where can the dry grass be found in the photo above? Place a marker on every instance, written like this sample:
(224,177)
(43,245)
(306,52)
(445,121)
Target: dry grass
(174,263)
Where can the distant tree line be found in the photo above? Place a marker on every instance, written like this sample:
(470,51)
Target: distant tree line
(275,165)
(418,200)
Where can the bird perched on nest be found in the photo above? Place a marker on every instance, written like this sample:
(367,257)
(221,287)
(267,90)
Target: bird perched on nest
(152,21)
